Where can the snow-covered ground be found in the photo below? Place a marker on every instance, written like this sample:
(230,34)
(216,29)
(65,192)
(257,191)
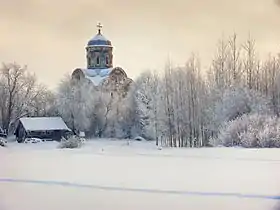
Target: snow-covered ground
(114,175)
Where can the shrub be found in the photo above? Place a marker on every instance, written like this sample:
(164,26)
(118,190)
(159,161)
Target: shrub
(250,131)
(237,101)
(139,138)
(32,140)
(3,142)
(72,142)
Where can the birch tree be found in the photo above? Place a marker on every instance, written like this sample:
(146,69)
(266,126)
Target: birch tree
(147,97)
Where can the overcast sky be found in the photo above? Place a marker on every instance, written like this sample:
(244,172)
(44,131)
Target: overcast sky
(50,35)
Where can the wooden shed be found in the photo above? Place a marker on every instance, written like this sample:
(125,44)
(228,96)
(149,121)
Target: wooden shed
(45,128)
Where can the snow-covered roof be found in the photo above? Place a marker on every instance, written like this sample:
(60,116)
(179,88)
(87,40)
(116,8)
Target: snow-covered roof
(99,37)
(99,40)
(43,123)
(97,76)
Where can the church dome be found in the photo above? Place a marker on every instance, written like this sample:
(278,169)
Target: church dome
(99,40)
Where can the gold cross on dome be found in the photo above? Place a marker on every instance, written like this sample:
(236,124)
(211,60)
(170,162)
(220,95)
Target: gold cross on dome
(99,26)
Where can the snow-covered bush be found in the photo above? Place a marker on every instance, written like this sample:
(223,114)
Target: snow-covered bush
(237,101)
(32,140)
(250,131)
(71,143)
(3,142)
(269,136)
(139,138)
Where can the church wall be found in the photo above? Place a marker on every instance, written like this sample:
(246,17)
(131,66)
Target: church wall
(78,74)
(99,57)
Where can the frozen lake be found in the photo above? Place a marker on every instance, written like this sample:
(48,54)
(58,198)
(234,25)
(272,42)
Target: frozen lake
(108,175)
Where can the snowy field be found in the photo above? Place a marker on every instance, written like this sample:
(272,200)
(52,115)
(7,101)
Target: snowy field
(112,175)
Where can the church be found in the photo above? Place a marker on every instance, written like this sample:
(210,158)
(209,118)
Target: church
(100,71)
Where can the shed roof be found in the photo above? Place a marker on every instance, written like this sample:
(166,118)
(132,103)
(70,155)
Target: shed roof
(43,123)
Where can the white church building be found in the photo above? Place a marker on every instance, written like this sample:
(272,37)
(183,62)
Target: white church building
(100,71)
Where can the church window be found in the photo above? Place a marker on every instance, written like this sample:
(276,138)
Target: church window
(107,60)
(89,61)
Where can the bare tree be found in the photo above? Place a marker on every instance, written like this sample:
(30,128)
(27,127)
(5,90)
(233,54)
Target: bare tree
(43,103)
(234,63)
(250,62)
(18,88)
(219,65)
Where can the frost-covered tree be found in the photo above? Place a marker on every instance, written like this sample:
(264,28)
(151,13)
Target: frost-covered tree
(75,102)
(250,130)
(113,115)
(18,91)
(250,63)
(127,115)
(226,67)
(237,101)
(234,62)
(98,112)
(270,81)
(43,104)
(189,108)
(171,108)
(103,113)
(148,104)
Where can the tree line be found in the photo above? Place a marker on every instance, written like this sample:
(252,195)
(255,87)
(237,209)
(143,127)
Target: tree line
(178,107)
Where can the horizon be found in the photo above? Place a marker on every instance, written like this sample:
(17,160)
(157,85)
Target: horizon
(51,41)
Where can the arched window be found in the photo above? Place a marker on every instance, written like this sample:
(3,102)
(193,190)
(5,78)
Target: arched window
(89,61)
(107,60)
(97,60)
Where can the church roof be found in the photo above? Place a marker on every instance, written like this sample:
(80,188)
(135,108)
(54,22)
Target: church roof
(99,40)
(97,76)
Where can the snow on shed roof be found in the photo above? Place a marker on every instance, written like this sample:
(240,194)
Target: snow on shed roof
(43,123)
